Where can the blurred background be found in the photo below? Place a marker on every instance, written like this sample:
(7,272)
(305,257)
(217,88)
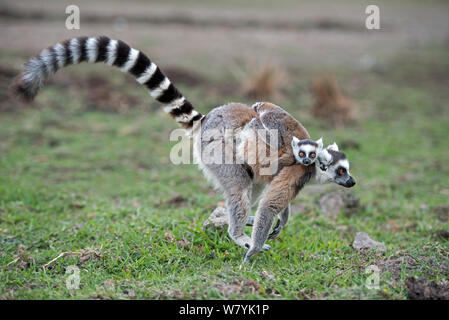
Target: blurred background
(93,148)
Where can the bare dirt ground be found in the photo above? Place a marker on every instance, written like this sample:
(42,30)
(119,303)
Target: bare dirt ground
(215,35)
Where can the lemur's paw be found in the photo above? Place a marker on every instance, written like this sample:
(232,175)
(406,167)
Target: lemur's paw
(277,228)
(243,241)
(274,233)
(253,251)
(248,255)
(250,221)
(265,246)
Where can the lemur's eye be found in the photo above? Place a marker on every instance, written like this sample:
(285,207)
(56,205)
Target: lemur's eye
(301,154)
(341,171)
(312,155)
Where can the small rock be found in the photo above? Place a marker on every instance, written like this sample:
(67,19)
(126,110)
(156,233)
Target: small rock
(76,206)
(109,284)
(218,220)
(183,243)
(420,289)
(443,234)
(267,275)
(169,237)
(298,207)
(363,241)
(176,201)
(442,213)
(332,203)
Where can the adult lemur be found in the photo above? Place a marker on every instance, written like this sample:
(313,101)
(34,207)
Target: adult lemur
(241,180)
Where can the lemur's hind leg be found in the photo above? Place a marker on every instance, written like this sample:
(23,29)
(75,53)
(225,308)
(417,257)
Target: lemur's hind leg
(280,225)
(237,187)
(258,189)
(238,207)
(282,221)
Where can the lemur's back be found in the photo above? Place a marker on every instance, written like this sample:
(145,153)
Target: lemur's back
(230,123)
(230,116)
(236,115)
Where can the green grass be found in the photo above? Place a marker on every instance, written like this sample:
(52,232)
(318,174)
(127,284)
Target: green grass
(87,181)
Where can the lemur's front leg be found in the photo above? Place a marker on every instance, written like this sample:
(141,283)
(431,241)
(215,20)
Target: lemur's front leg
(280,225)
(282,189)
(262,225)
(282,221)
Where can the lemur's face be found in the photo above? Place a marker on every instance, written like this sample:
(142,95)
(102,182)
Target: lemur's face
(306,150)
(333,166)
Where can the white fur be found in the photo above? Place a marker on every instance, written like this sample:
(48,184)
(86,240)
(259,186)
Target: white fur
(295,142)
(92,49)
(325,157)
(47,58)
(197,159)
(60,54)
(111,53)
(156,93)
(328,175)
(344,163)
(322,176)
(256,105)
(307,148)
(320,143)
(186,117)
(74,48)
(333,147)
(147,74)
(35,74)
(174,104)
(132,58)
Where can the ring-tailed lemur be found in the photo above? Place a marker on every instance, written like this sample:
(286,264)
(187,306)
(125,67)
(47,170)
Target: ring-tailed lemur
(306,150)
(332,165)
(241,182)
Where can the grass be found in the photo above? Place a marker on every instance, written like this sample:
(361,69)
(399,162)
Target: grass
(100,186)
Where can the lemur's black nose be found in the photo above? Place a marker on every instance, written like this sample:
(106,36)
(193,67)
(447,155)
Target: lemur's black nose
(306,161)
(350,183)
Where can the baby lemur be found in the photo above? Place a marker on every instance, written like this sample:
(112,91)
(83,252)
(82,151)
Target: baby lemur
(331,166)
(306,150)
(242,179)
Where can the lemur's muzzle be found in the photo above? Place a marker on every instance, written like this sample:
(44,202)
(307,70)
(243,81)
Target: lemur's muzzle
(350,183)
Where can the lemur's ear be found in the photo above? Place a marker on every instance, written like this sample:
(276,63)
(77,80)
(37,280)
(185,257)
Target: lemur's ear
(333,147)
(295,142)
(320,143)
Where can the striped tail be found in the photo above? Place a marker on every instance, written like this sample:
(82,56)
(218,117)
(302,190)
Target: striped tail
(113,53)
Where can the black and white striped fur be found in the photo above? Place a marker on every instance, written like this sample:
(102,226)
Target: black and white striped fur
(113,53)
